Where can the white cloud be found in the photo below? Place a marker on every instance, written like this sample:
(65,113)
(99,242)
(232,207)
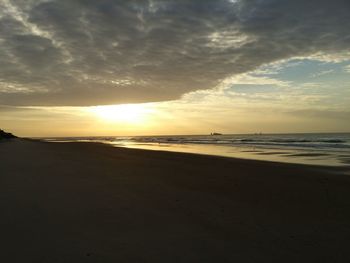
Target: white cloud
(330,56)
(250,79)
(347,68)
(321,73)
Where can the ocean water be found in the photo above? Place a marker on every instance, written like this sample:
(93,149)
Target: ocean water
(331,149)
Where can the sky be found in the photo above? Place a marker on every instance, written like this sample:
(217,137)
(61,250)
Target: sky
(111,67)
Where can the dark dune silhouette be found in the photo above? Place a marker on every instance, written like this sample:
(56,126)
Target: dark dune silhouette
(6,135)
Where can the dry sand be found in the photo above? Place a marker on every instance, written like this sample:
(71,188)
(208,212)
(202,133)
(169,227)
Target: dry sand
(86,202)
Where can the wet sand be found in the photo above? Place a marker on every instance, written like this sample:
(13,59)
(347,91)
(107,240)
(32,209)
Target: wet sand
(87,202)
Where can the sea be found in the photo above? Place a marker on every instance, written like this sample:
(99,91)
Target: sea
(326,149)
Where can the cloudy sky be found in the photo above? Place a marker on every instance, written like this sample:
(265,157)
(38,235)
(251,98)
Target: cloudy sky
(235,66)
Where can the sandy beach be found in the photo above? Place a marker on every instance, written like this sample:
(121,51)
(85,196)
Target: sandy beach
(89,202)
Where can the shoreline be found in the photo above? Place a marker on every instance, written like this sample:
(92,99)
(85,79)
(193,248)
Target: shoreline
(344,168)
(90,202)
(310,149)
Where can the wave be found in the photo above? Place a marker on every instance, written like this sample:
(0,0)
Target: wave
(268,141)
(189,140)
(283,141)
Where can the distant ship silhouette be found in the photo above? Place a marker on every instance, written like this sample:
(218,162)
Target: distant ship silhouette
(215,133)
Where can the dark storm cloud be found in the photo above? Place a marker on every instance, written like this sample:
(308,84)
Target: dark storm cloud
(88,52)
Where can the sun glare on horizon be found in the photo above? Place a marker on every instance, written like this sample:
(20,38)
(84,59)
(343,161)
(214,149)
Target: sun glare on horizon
(125,113)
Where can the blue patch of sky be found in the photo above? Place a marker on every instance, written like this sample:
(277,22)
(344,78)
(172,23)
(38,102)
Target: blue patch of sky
(306,71)
(332,81)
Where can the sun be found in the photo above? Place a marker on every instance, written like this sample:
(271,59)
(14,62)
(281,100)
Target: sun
(125,113)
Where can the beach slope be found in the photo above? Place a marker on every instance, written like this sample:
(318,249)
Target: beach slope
(88,202)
